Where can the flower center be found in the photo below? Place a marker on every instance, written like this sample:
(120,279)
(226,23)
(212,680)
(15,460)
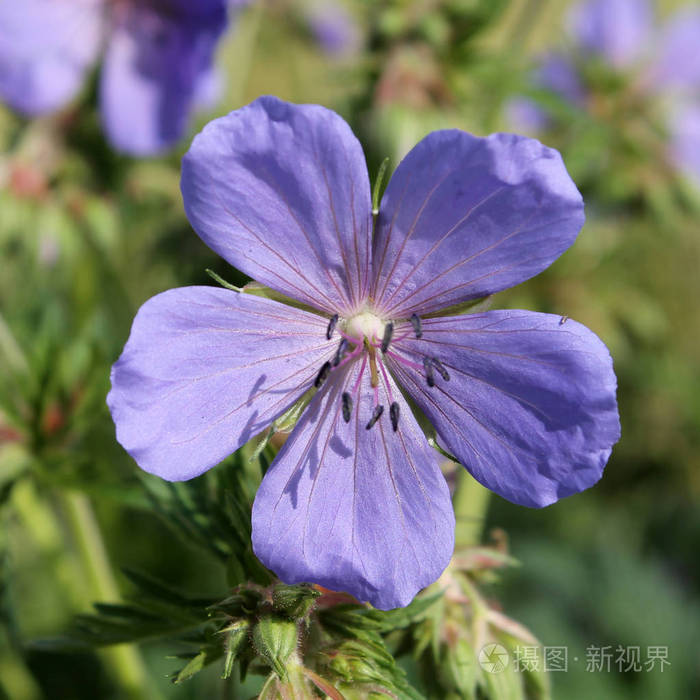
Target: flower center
(365,325)
(367,336)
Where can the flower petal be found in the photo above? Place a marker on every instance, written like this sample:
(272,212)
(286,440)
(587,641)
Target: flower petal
(678,65)
(46,48)
(154,64)
(529,408)
(618,30)
(362,511)
(464,217)
(281,192)
(206,369)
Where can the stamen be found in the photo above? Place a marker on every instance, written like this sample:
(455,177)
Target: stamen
(386,381)
(349,358)
(347,406)
(374,381)
(375,416)
(394,415)
(388,332)
(417,328)
(404,361)
(360,375)
(349,338)
(428,367)
(322,374)
(340,352)
(440,368)
(331,326)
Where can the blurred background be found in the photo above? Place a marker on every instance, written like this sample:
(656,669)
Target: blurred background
(88,233)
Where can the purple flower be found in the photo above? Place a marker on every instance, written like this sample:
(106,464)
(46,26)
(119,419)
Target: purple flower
(619,30)
(333,27)
(355,499)
(157,60)
(621,33)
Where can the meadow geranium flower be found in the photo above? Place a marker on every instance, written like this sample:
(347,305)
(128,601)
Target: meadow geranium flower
(660,64)
(157,62)
(355,499)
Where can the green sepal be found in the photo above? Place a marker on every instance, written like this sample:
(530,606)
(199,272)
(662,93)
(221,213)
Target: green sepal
(376,190)
(289,419)
(236,638)
(260,290)
(296,601)
(459,667)
(275,639)
(472,306)
(223,282)
(195,665)
(432,441)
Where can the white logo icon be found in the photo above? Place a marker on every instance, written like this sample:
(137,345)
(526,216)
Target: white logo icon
(493,658)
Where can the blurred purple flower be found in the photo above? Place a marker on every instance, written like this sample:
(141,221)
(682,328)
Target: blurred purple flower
(157,60)
(618,30)
(355,499)
(622,33)
(333,27)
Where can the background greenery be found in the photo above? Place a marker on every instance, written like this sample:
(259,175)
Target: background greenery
(87,235)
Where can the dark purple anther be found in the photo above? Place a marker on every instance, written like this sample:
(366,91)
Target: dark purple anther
(347,406)
(322,374)
(417,329)
(394,415)
(375,416)
(331,326)
(340,352)
(440,368)
(388,332)
(428,366)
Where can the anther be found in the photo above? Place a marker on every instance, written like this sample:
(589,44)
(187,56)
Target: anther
(388,332)
(417,329)
(340,352)
(428,366)
(440,368)
(347,406)
(322,374)
(331,326)
(394,415)
(375,416)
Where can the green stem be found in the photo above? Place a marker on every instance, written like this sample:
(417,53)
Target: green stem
(471,502)
(125,659)
(15,679)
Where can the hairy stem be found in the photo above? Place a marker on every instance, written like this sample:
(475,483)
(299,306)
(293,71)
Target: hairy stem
(471,502)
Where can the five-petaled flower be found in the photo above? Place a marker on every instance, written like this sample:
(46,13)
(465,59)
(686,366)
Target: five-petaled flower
(157,64)
(355,499)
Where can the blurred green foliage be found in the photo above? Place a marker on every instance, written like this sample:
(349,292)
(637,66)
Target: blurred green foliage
(86,236)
